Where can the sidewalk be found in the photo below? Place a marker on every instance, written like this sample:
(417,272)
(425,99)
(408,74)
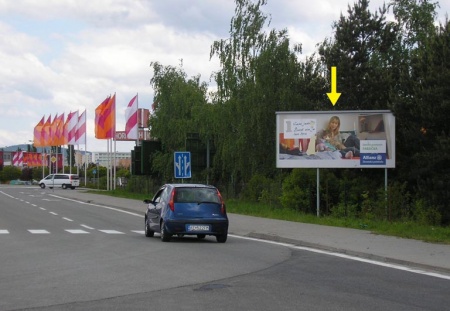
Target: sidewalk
(361,243)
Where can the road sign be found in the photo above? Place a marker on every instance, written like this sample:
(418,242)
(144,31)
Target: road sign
(182,164)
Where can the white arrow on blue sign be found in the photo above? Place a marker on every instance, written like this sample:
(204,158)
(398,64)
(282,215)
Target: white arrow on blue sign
(182,164)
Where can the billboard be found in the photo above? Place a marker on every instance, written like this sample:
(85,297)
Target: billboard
(335,139)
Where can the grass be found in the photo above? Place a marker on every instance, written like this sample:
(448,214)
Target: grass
(408,230)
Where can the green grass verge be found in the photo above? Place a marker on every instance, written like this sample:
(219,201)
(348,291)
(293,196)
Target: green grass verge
(408,230)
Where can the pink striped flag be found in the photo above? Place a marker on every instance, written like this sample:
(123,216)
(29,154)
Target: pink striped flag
(131,119)
(80,134)
(17,158)
(72,121)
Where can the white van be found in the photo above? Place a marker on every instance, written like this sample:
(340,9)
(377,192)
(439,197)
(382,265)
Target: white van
(60,180)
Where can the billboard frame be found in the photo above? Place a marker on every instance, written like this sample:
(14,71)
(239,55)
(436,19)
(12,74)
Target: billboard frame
(296,137)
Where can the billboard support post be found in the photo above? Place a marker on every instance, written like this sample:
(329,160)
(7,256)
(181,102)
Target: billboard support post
(318,193)
(386,192)
(336,139)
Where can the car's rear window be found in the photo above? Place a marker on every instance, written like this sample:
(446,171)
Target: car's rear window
(191,195)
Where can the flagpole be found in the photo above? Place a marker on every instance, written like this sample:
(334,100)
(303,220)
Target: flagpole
(107,165)
(115,150)
(85,151)
(115,164)
(137,126)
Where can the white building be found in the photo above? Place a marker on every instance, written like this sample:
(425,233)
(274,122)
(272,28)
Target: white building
(103,158)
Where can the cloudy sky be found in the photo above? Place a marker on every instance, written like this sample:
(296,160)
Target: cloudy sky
(58,56)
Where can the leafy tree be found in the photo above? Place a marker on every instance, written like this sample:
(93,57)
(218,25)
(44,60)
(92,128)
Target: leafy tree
(176,98)
(10,173)
(259,75)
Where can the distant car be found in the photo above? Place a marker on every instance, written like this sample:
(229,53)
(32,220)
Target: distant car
(60,180)
(187,209)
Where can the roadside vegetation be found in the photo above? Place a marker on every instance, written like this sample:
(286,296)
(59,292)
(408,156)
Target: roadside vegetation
(404,229)
(395,58)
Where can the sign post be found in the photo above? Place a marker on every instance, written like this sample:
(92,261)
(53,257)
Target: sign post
(182,164)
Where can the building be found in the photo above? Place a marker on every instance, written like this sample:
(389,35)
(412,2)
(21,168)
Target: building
(123,159)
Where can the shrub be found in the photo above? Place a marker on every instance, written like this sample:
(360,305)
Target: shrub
(298,190)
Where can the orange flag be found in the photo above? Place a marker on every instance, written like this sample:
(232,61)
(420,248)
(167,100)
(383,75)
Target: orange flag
(47,132)
(37,139)
(105,118)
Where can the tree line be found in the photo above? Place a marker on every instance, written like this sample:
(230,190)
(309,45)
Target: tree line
(399,65)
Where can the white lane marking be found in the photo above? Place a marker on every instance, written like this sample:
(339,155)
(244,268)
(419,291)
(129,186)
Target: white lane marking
(399,267)
(68,219)
(42,208)
(111,231)
(77,231)
(87,227)
(53,213)
(38,231)
(102,206)
(27,202)
(7,195)
(138,231)
(33,205)
(4,231)
(369,261)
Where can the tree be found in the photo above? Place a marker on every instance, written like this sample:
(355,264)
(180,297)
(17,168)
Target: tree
(10,173)
(176,98)
(361,50)
(259,75)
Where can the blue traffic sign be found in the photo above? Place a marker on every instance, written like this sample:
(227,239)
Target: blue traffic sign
(182,164)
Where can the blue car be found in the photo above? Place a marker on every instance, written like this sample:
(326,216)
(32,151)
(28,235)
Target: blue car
(187,209)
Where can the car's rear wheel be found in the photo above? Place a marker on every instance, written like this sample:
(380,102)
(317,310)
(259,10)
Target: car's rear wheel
(165,237)
(73,188)
(148,233)
(42,185)
(221,238)
(64,186)
(201,236)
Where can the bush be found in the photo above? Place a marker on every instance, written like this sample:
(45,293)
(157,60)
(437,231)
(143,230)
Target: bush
(298,190)
(426,215)
(10,173)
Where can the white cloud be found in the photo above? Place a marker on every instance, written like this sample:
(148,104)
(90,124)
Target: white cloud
(60,56)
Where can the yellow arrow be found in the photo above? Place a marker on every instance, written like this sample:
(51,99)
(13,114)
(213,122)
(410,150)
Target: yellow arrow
(333,96)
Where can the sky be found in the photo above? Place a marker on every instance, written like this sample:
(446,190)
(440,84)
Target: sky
(58,56)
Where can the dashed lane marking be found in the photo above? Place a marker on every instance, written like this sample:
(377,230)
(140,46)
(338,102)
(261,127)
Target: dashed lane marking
(111,231)
(38,231)
(87,227)
(77,231)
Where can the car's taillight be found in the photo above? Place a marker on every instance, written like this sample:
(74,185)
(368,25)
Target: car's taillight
(222,207)
(171,201)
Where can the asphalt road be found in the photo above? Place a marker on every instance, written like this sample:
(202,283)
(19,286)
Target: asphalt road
(58,254)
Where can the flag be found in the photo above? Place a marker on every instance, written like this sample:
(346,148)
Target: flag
(105,119)
(72,121)
(131,118)
(17,158)
(80,134)
(37,140)
(46,132)
(59,132)
(99,132)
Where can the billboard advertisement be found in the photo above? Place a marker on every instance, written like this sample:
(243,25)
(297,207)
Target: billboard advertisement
(335,139)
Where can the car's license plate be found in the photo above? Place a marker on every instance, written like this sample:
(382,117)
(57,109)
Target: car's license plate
(198,228)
